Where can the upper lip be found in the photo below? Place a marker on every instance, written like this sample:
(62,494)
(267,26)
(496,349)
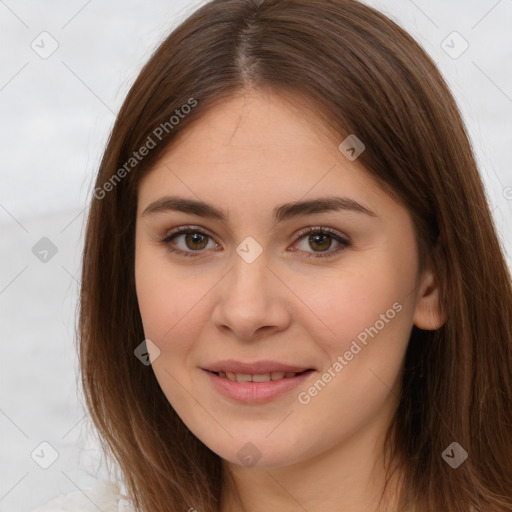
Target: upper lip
(254,368)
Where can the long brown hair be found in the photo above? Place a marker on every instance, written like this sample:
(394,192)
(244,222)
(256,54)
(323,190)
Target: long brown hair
(362,74)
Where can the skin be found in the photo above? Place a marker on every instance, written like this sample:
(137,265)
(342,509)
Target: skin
(246,156)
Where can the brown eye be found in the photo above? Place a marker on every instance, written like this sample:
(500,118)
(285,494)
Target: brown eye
(187,240)
(320,239)
(196,241)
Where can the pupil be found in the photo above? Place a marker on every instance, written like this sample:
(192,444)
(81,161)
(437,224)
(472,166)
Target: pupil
(319,239)
(195,238)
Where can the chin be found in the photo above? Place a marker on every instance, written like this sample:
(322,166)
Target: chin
(258,451)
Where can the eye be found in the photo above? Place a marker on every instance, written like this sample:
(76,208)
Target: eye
(194,241)
(321,239)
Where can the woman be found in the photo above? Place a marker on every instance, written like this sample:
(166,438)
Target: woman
(293,294)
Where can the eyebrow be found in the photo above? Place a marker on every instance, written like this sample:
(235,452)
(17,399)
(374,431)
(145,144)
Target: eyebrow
(280,213)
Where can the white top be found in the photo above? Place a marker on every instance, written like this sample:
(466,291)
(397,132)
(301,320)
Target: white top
(103,495)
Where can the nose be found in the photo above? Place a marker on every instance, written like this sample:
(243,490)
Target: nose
(251,300)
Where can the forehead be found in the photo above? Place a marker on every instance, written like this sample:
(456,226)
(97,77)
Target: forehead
(253,126)
(254,151)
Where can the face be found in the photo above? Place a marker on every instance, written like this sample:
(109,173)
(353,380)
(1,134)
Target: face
(280,312)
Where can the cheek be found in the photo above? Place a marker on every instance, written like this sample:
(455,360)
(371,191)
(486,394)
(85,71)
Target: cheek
(372,318)
(357,301)
(167,301)
(164,300)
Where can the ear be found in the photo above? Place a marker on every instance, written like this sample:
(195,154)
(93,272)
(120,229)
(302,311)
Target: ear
(428,315)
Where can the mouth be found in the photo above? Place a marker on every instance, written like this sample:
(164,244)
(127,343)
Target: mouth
(259,377)
(255,383)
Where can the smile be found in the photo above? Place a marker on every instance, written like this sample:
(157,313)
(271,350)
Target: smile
(259,377)
(255,388)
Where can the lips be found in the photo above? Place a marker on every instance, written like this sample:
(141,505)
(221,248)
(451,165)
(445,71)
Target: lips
(255,382)
(258,377)
(254,368)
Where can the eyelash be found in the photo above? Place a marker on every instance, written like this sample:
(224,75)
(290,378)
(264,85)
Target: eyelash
(307,231)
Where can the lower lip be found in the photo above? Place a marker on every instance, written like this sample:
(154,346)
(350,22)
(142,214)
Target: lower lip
(256,392)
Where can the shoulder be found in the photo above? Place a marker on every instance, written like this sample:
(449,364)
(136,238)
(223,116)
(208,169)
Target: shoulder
(105,496)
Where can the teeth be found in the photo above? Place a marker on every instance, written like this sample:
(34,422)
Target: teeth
(265,377)
(261,377)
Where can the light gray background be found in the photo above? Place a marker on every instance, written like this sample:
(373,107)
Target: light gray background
(56,115)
